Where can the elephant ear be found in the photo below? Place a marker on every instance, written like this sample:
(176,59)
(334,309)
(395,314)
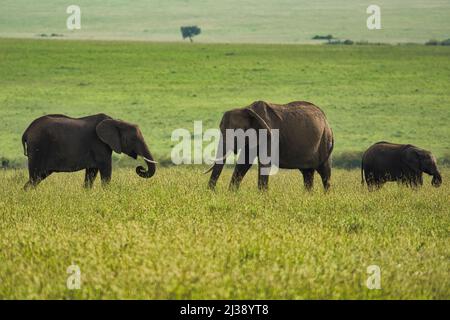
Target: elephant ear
(259,112)
(411,158)
(109,133)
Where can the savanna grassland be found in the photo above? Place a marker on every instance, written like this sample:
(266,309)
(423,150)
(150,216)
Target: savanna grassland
(369,93)
(169,237)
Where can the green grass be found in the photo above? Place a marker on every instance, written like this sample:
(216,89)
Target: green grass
(262,21)
(369,93)
(169,237)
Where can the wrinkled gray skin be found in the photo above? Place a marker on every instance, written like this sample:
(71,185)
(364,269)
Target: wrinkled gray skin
(404,163)
(306,140)
(57,143)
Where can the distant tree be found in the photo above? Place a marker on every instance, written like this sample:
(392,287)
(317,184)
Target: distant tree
(432,42)
(190,31)
(319,37)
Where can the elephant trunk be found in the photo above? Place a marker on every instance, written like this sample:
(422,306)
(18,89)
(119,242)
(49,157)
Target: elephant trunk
(151,165)
(437,179)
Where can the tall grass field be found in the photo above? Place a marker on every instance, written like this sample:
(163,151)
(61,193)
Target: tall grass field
(170,237)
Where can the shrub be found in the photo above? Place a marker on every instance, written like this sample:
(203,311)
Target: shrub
(4,163)
(337,41)
(445,42)
(334,41)
(348,159)
(432,43)
(327,37)
(444,160)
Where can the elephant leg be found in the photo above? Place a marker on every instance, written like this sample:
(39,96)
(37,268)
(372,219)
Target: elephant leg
(89,177)
(370,179)
(407,181)
(216,171)
(324,171)
(375,186)
(105,173)
(36,172)
(30,182)
(420,180)
(239,172)
(373,182)
(416,181)
(32,175)
(308,178)
(263,180)
(244,163)
(35,179)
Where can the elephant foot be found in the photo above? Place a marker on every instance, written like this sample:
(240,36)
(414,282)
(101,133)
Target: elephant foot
(233,187)
(263,188)
(29,186)
(105,184)
(212,186)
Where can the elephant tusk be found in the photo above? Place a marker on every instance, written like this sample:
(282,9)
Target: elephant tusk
(217,160)
(223,158)
(148,160)
(209,170)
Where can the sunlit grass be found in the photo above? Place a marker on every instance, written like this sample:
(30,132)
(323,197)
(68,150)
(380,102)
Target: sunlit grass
(169,237)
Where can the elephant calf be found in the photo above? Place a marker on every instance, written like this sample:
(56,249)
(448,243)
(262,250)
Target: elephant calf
(403,163)
(57,143)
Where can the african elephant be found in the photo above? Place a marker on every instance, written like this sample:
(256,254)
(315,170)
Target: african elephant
(305,141)
(404,163)
(57,143)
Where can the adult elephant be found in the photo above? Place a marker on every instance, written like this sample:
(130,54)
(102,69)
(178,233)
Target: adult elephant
(57,143)
(404,163)
(305,141)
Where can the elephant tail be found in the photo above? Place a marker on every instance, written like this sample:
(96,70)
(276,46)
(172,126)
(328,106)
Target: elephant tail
(362,172)
(332,143)
(24,144)
(329,145)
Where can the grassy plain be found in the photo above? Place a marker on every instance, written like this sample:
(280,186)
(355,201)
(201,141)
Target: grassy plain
(369,93)
(170,238)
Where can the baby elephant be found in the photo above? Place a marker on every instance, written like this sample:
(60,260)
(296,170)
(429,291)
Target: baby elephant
(57,143)
(403,163)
